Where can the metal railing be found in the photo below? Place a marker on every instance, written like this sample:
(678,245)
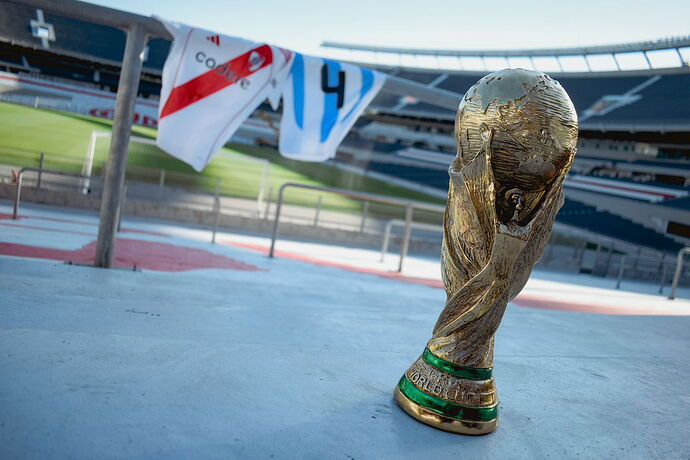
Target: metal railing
(409,206)
(679,269)
(216,209)
(40,171)
(401,223)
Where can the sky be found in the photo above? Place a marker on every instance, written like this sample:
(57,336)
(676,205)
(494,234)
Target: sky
(302,25)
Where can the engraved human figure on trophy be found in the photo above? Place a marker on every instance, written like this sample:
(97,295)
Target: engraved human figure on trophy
(516,133)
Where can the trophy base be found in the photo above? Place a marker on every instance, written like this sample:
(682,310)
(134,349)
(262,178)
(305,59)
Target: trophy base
(449,396)
(441,422)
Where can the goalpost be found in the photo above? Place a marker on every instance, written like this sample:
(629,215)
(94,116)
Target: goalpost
(88,166)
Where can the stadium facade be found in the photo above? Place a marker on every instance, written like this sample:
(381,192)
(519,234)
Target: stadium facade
(630,181)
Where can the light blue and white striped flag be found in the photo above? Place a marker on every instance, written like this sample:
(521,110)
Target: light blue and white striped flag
(322,99)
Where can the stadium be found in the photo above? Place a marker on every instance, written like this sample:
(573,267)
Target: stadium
(162,350)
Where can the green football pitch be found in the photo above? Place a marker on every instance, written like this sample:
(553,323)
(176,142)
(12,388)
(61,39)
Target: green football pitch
(63,138)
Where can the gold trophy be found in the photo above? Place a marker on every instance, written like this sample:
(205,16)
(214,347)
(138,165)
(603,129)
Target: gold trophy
(516,132)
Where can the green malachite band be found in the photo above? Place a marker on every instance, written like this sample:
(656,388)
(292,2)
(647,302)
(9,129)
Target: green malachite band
(463,372)
(446,408)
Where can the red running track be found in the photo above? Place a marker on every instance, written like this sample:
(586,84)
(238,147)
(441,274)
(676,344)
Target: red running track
(520,300)
(146,255)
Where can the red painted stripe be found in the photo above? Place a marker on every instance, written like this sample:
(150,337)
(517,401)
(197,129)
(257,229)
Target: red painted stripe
(553,304)
(147,255)
(522,300)
(71,90)
(324,263)
(619,187)
(214,80)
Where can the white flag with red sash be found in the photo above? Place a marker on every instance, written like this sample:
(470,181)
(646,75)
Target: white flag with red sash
(211,84)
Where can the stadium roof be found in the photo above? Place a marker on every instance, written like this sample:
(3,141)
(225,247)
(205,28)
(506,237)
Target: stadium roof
(666,52)
(665,43)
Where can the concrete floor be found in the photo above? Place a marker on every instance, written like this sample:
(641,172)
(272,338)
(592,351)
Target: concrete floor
(298,360)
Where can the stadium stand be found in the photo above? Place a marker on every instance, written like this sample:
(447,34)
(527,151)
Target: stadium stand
(664,102)
(74,37)
(626,188)
(604,223)
(679,203)
(76,50)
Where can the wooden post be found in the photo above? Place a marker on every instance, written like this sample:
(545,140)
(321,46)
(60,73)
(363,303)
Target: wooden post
(113,186)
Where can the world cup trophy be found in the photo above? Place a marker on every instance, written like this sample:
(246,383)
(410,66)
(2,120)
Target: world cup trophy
(516,133)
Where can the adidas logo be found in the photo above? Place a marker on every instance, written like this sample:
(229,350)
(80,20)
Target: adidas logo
(215,39)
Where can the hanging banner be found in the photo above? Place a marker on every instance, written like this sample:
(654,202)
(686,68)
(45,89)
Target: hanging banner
(322,99)
(211,84)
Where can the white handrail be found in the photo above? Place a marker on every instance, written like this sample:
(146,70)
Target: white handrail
(401,223)
(409,206)
(679,270)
